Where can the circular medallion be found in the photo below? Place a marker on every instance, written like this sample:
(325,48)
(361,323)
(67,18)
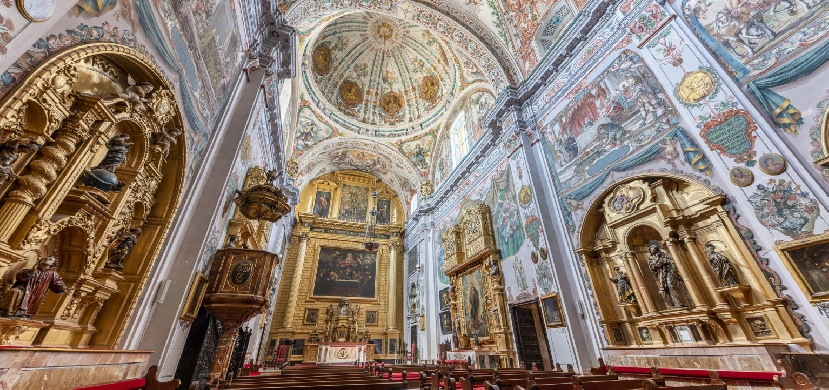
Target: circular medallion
(350,94)
(429,88)
(695,86)
(543,253)
(37,10)
(772,164)
(342,353)
(321,59)
(525,195)
(384,31)
(391,103)
(240,273)
(741,176)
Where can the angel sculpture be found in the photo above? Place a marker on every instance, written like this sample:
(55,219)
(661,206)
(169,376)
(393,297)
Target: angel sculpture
(9,152)
(136,94)
(164,140)
(122,248)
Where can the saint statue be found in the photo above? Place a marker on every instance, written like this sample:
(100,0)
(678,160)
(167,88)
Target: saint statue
(118,147)
(476,339)
(722,266)
(122,248)
(231,242)
(668,280)
(623,287)
(30,286)
(9,152)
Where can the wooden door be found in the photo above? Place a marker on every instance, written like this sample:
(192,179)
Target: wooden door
(528,345)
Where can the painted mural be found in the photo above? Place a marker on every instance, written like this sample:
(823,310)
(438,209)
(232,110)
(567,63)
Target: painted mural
(558,18)
(473,303)
(310,129)
(501,199)
(750,36)
(322,204)
(418,150)
(354,203)
(620,111)
(783,206)
(346,273)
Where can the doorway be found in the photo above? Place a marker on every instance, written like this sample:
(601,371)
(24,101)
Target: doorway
(530,336)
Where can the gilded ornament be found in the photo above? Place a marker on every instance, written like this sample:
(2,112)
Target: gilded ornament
(164,140)
(37,10)
(263,201)
(429,88)
(350,94)
(426,188)
(391,103)
(772,164)
(162,106)
(292,167)
(696,86)
(741,176)
(321,59)
(626,198)
(525,195)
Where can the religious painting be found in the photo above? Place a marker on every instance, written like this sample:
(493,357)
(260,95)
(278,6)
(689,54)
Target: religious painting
(392,346)
(750,36)
(619,112)
(741,176)
(553,316)
(618,335)
(783,206)
(645,335)
(194,298)
(760,327)
(480,103)
(297,347)
(354,203)
(311,128)
(311,316)
(371,317)
(475,314)
(808,262)
(502,200)
(346,273)
(378,346)
(412,259)
(322,204)
(772,164)
(383,211)
(445,322)
(444,298)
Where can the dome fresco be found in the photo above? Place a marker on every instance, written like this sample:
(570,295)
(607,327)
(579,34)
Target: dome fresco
(382,72)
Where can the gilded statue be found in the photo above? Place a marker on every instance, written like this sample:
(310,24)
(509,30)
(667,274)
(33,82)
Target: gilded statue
(30,286)
(722,266)
(668,280)
(164,140)
(122,248)
(624,290)
(118,147)
(9,152)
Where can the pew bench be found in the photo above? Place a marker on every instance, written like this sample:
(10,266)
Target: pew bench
(148,382)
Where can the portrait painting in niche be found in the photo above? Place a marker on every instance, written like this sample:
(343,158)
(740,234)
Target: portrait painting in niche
(443,295)
(322,204)
(808,262)
(445,322)
(553,317)
(345,273)
(371,317)
(383,211)
(760,326)
(378,346)
(473,304)
(392,346)
(354,203)
(311,316)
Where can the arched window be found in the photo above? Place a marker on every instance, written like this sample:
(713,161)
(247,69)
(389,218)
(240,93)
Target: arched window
(460,139)
(413,205)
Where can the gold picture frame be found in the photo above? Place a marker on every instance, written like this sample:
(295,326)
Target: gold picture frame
(194,298)
(553,314)
(804,259)
(772,164)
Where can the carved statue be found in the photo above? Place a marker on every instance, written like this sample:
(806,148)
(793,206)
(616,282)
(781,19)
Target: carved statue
(722,266)
(355,313)
(9,152)
(136,94)
(117,154)
(476,339)
(231,242)
(329,313)
(624,290)
(164,140)
(24,297)
(494,271)
(456,339)
(670,283)
(122,248)
(343,307)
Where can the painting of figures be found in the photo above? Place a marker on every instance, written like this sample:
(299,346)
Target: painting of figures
(311,129)
(621,110)
(412,259)
(501,199)
(383,211)
(808,261)
(345,273)
(322,204)
(354,203)
(473,304)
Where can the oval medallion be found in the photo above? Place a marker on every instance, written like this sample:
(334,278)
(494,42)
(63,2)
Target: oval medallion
(525,195)
(240,273)
(321,59)
(429,88)
(695,86)
(391,103)
(37,10)
(741,176)
(350,94)
(772,164)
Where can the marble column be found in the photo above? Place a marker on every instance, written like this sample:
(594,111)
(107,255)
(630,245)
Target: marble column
(391,314)
(638,281)
(295,281)
(690,284)
(705,269)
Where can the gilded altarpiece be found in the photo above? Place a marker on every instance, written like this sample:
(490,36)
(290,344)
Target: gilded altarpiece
(673,271)
(477,301)
(327,264)
(92,173)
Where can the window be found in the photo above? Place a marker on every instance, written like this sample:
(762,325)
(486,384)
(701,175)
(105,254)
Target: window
(460,139)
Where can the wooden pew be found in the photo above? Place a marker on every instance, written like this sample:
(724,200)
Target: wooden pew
(148,382)
(334,378)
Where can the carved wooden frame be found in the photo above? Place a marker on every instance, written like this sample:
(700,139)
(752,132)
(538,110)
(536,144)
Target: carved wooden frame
(783,250)
(194,298)
(547,297)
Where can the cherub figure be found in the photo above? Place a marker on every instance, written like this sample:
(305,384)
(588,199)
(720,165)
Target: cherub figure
(9,152)
(122,248)
(166,139)
(136,94)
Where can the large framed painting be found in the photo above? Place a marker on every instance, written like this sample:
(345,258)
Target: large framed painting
(322,204)
(444,298)
(383,211)
(808,262)
(475,314)
(553,316)
(194,298)
(354,203)
(346,273)
(445,322)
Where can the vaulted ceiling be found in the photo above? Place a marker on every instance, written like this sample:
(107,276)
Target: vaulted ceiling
(381,81)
